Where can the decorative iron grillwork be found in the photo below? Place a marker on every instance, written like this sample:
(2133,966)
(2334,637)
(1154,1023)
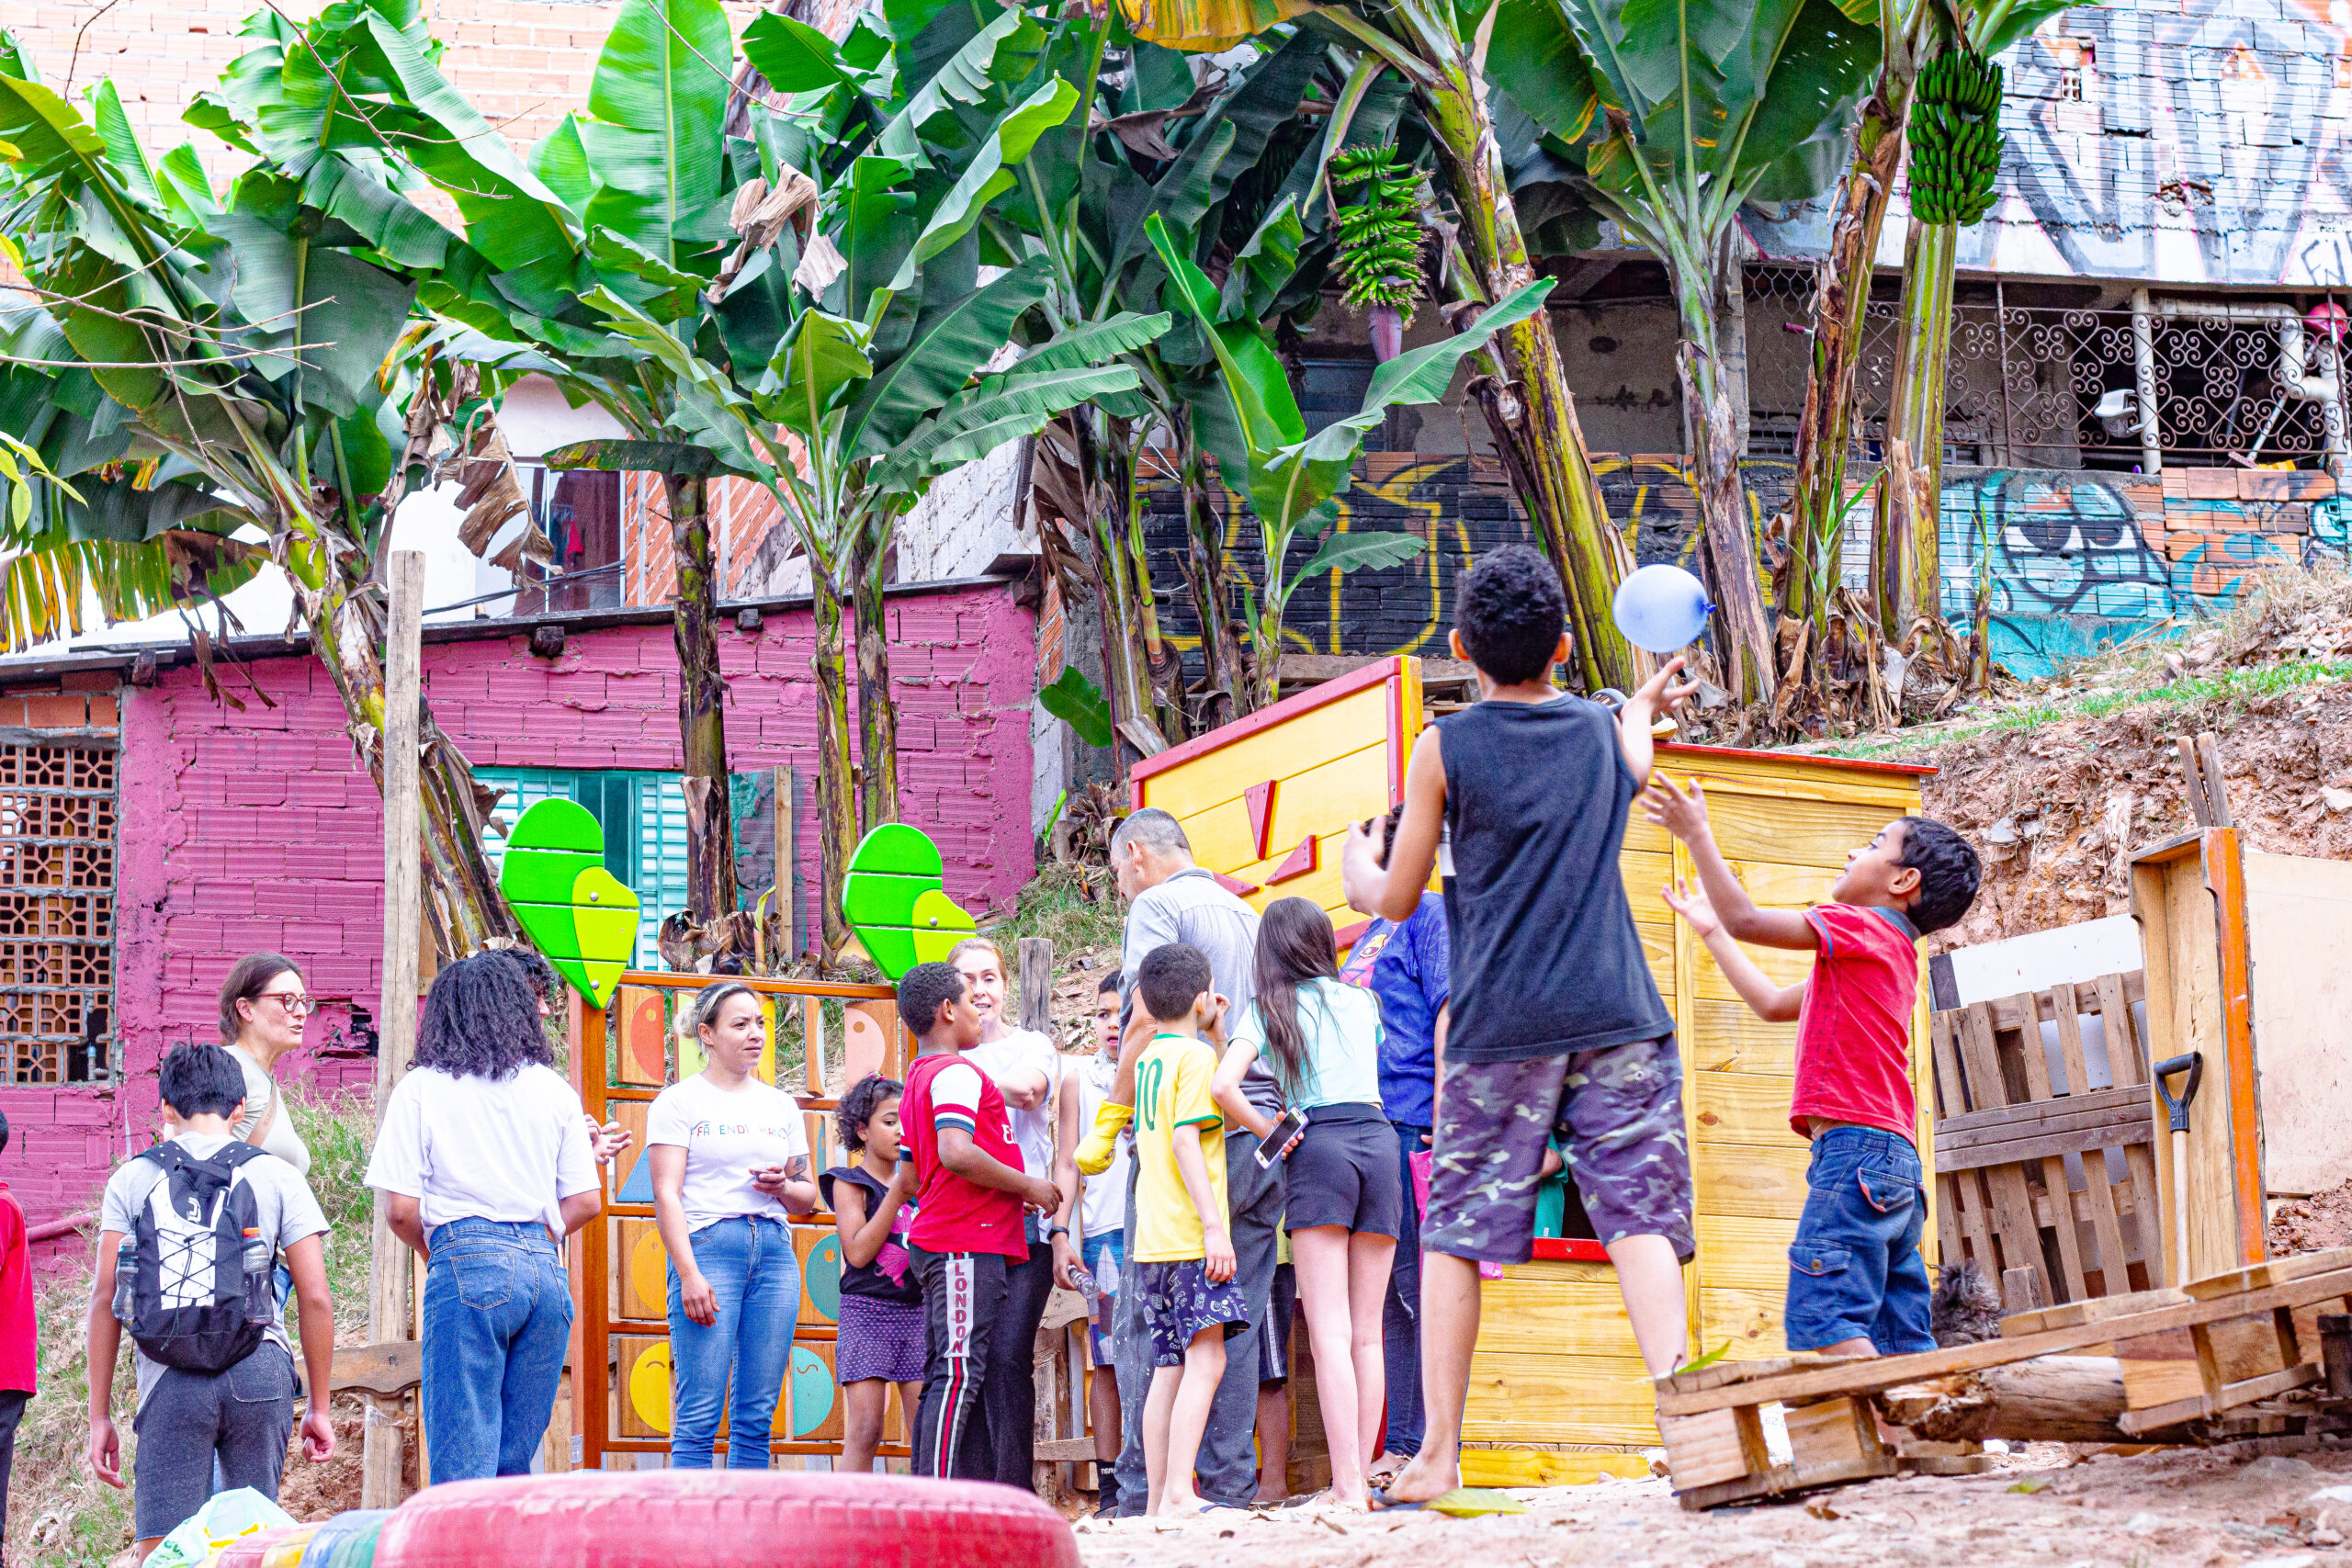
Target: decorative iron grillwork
(57,870)
(2022,383)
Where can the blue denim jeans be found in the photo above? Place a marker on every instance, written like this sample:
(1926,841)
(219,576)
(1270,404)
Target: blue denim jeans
(1400,1312)
(756,1276)
(497,1313)
(1855,1270)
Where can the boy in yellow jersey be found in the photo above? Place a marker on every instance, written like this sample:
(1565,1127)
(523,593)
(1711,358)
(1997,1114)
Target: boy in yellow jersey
(1181,1252)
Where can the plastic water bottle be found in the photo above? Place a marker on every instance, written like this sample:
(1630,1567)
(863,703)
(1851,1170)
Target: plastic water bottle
(260,1296)
(126,1277)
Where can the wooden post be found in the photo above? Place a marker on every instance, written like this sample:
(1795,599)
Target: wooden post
(787,787)
(1037,985)
(387,1273)
(1037,1013)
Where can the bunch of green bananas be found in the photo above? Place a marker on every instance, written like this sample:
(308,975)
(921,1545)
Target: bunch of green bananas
(1380,237)
(1955,137)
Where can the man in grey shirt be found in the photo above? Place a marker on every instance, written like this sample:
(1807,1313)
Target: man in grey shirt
(1172,899)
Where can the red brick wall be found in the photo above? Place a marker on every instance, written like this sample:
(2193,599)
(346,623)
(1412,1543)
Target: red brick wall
(523,62)
(254,828)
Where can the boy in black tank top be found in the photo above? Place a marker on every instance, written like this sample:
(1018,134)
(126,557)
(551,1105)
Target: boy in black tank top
(1522,802)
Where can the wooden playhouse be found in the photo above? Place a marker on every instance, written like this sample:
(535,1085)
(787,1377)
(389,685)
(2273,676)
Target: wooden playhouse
(1557,1390)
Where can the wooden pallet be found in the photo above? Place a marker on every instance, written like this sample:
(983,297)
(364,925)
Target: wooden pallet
(2006,1127)
(2235,1362)
(1719,1456)
(1711,1419)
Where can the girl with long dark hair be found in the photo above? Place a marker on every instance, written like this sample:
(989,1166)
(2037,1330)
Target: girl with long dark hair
(1320,1038)
(731,1167)
(483,1159)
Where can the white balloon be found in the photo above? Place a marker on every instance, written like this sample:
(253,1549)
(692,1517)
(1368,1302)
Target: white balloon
(1661,608)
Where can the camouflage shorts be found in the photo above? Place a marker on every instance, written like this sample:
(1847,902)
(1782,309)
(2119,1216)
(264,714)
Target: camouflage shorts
(1618,1114)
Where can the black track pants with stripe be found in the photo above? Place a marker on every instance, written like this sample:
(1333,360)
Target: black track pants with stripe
(963,1302)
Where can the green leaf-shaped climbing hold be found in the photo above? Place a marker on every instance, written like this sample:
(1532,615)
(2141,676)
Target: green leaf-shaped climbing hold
(892,899)
(580,915)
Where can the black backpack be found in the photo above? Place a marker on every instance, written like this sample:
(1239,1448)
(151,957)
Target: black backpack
(194,1279)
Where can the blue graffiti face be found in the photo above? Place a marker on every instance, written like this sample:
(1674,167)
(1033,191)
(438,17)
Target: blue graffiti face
(2070,570)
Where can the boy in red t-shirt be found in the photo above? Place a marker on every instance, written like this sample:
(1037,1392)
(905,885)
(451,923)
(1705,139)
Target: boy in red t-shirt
(1857,1283)
(969,1189)
(17,1331)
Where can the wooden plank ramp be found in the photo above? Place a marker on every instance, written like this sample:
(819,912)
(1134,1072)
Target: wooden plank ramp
(2246,1343)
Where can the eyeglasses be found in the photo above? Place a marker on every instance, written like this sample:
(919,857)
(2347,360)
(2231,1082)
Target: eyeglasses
(295,1003)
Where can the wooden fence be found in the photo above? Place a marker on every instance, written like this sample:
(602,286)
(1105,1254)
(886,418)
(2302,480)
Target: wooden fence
(2019,1125)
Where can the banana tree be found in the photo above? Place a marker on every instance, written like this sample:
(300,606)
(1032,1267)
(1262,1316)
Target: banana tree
(1441,50)
(840,353)
(1954,155)
(1205,160)
(192,366)
(1679,114)
(1295,479)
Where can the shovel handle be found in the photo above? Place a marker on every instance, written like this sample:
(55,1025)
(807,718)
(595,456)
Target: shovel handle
(2193,1064)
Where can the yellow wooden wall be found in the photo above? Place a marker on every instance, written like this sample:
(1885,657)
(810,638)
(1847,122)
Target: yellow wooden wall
(1557,1366)
(1555,1369)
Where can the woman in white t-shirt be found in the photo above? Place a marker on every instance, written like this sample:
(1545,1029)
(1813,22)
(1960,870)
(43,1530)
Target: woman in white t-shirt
(730,1165)
(262,1005)
(482,1157)
(1026,1070)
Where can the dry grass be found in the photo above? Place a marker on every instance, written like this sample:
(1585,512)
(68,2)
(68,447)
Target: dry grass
(60,1515)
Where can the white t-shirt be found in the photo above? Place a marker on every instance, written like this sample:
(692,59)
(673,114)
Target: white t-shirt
(261,1094)
(727,1137)
(1024,1050)
(485,1148)
(1102,1199)
(282,1202)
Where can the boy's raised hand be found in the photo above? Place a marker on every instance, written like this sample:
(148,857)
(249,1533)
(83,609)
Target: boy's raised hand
(1691,902)
(1684,816)
(1661,693)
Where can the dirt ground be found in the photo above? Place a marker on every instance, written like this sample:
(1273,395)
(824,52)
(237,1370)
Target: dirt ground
(2069,773)
(2043,1506)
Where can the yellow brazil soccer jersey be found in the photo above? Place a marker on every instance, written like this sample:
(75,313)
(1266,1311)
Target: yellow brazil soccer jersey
(1172,1091)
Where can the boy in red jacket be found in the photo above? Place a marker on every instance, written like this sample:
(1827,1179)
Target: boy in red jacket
(1857,1283)
(969,1189)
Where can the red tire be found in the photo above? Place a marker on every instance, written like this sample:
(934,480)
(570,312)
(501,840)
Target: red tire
(717,1518)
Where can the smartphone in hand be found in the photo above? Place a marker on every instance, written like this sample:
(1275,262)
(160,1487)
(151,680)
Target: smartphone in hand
(1275,1146)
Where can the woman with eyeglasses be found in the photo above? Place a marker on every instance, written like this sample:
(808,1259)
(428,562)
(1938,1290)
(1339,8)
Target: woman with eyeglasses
(262,1005)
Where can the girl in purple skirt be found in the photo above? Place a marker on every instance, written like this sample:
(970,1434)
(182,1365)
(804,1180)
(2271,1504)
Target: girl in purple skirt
(880,1340)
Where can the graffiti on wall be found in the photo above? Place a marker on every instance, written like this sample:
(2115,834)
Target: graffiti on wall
(2076,560)
(2178,142)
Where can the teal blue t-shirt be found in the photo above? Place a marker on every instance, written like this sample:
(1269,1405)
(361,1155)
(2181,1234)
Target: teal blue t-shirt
(1341,1025)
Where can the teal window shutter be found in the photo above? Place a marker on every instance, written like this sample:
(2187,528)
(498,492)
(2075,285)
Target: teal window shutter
(644,820)
(660,844)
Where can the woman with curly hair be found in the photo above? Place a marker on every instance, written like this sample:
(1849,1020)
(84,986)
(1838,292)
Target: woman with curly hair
(880,1341)
(731,1167)
(483,1159)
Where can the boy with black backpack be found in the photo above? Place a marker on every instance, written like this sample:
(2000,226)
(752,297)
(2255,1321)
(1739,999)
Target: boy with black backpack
(189,1234)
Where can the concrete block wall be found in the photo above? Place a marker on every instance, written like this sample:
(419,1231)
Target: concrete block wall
(254,827)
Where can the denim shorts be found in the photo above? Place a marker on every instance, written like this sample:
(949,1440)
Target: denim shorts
(1103,1256)
(1855,1271)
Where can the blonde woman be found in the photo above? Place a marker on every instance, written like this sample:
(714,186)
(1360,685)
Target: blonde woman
(1026,1070)
(730,1167)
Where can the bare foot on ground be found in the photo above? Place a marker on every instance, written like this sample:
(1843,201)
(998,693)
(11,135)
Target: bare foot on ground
(1422,1480)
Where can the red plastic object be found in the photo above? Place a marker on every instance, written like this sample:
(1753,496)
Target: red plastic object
(717,1518)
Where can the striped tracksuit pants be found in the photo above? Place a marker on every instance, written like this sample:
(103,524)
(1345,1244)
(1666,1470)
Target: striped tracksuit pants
(963,1302)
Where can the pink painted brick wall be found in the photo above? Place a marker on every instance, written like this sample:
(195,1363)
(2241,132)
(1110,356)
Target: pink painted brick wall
(257,829)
